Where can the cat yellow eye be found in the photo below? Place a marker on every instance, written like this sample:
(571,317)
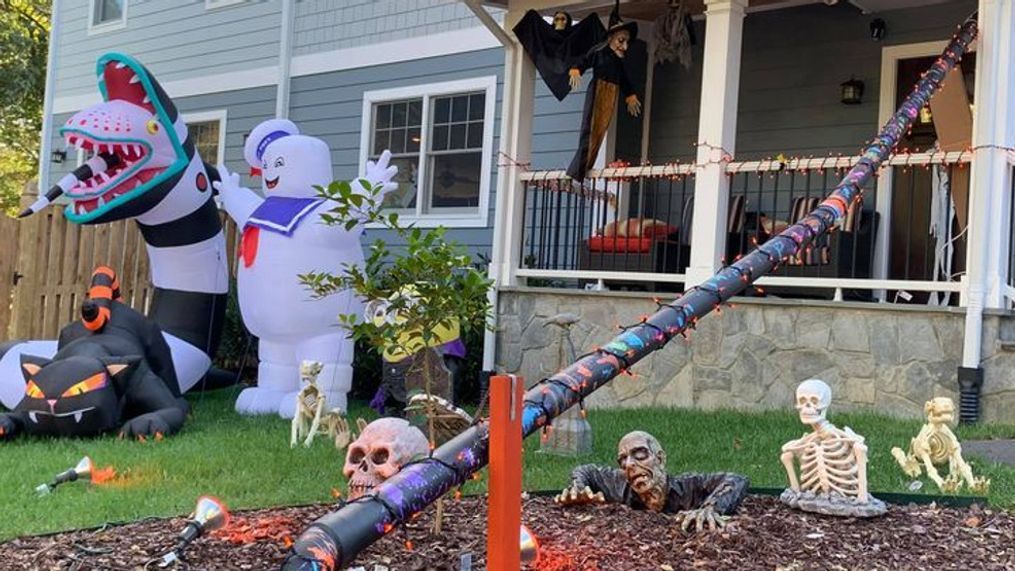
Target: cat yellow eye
(88,385)
(33,391)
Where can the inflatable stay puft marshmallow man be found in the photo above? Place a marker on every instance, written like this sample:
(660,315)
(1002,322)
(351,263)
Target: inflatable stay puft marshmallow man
(283,236)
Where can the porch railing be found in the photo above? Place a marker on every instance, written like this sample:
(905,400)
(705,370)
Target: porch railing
(630,227)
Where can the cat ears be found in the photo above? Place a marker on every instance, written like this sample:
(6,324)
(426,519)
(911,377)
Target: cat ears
(120,367)
(31,364)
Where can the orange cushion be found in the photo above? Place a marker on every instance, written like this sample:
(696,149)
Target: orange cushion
(620,245)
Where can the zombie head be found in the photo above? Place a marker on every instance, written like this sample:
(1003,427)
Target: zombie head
(643,461)
(940,410)
(383,447)
(812,400)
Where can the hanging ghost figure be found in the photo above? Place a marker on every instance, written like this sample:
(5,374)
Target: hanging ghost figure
(283,237)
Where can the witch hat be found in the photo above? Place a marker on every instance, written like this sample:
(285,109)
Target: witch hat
(616,24)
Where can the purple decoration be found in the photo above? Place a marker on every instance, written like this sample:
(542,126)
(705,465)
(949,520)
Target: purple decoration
(358,524)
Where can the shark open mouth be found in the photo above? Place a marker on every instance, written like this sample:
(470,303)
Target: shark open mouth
(132,135)
(125,170)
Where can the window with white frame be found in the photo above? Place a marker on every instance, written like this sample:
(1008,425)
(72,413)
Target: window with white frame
(440,137)
(208,132)
(107,15)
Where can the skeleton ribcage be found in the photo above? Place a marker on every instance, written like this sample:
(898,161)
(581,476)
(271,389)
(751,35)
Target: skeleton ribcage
(829,466)
(940,447)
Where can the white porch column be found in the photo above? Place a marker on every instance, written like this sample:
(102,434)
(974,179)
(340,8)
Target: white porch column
(516,144)
(515,147)
(717,125)
(990,186)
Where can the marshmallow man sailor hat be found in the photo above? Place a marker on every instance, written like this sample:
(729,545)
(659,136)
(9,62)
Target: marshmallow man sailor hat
(264,135)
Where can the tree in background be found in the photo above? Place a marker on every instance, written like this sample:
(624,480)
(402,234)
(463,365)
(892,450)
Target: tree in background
(24,37)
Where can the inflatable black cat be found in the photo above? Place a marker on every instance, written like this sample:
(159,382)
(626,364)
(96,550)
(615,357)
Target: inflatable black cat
(113,370)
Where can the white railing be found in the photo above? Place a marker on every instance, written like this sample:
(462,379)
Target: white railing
(831,167)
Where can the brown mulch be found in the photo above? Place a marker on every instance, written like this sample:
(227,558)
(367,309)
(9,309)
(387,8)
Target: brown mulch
(763,535)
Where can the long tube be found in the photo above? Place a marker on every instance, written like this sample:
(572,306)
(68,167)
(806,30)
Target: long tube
(100,163)
(334,540)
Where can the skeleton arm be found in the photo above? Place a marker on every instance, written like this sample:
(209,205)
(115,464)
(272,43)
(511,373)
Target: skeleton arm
(789,451)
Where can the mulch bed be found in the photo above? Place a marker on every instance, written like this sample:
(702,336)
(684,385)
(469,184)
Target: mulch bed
(763,535)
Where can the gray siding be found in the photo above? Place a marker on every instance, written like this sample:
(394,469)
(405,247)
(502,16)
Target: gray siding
(175,38)
(244,109)
(323,25)
(793,63)
(329,106)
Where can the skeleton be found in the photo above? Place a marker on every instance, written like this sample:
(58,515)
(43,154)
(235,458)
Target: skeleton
(705,500)
(937,444)
(312,416)
(833,461)
(383,447)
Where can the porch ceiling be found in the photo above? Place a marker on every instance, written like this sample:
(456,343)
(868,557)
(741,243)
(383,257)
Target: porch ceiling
(651,9)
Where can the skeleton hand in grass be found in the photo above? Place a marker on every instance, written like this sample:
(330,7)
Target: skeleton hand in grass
(702,518)
(573,496)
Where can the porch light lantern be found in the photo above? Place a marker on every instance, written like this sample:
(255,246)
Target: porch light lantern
(58,156)
(852,91)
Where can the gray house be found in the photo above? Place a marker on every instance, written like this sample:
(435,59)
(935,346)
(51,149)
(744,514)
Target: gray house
(774,104)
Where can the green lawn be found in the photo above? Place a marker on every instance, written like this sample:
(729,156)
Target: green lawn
(248,463)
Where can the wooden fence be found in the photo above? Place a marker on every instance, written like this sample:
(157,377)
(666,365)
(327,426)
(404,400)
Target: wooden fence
(46,263)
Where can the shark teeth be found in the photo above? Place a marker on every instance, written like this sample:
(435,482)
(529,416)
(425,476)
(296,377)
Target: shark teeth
(146,99)
(135,79)
(77,416)
(120,65)
(33,416)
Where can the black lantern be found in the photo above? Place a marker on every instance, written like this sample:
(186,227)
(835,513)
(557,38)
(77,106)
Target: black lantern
(58,156)
(877,29)
(852,91)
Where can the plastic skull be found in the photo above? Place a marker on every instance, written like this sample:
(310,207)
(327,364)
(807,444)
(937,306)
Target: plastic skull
(940,410)
(812,400)
(383,447)
(643,461)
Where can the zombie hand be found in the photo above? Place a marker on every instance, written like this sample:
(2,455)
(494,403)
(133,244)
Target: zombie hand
(702,518)
(380,173)
(573,496)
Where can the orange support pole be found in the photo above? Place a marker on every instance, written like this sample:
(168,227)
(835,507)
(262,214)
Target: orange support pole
(504,509)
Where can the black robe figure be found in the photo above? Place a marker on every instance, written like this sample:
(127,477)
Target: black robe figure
(609,81)
(555,49)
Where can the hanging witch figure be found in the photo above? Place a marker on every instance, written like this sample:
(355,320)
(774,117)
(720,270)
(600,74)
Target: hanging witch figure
(609,81)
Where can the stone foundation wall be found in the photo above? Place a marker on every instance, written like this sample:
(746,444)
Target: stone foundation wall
(877,356)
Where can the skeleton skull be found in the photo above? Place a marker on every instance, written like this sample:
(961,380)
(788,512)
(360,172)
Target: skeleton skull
(940,410)
(812,400)
(383,447)
(643,461)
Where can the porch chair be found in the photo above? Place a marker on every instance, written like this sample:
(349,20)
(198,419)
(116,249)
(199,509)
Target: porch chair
(845,253)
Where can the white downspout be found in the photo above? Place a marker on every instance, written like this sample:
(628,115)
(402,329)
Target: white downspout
(46,144)
(507,134)
(285,48)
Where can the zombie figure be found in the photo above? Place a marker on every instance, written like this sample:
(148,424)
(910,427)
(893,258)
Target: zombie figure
(641,482)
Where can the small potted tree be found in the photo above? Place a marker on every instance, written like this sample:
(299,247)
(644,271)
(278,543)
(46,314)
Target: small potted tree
(419,295)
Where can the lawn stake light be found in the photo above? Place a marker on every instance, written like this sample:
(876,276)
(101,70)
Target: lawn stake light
(334,540)
(82,470)
(209,515)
